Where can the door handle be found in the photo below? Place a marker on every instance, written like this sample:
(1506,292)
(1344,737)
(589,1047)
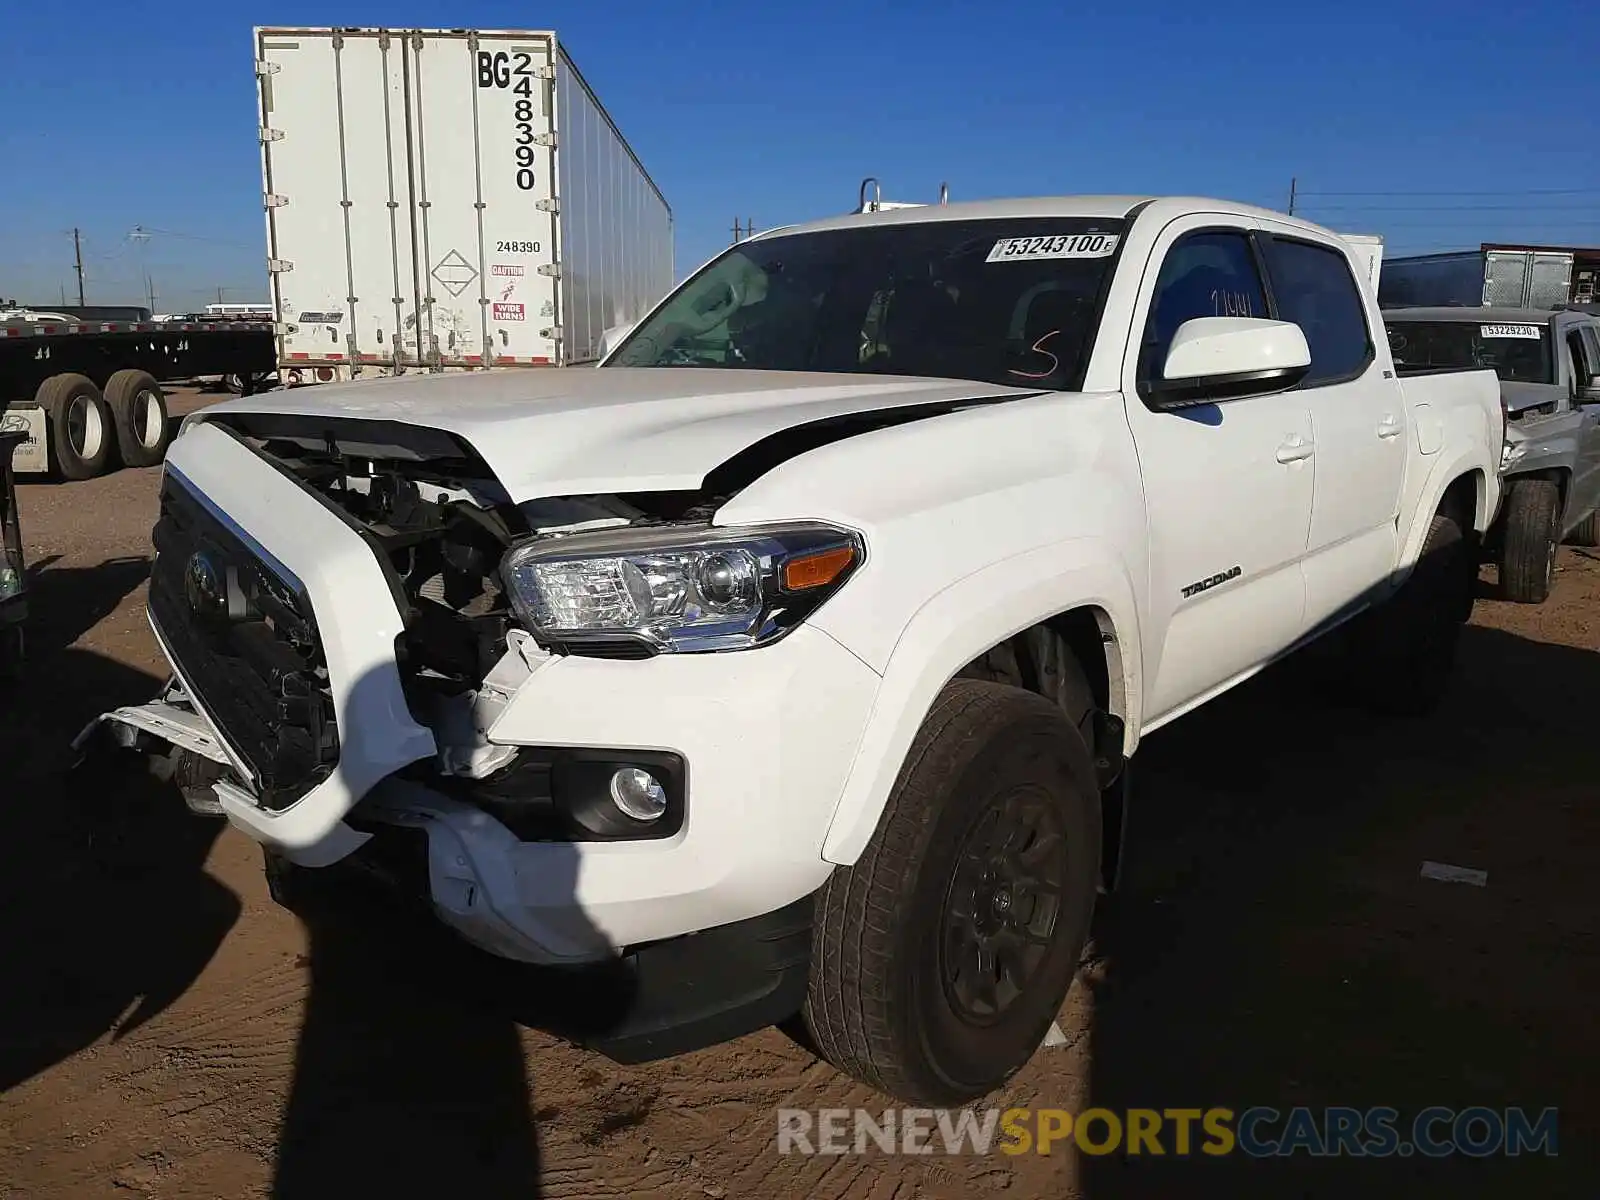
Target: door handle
(1389,427)
(1296,449)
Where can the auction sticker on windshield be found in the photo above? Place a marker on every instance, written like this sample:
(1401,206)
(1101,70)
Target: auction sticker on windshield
(1072,245)
(1509,331)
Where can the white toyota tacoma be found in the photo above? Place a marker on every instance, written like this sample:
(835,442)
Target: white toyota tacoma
(792,657)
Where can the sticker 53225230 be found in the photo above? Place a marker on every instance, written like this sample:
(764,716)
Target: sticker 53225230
(1066,245)
(1509,331)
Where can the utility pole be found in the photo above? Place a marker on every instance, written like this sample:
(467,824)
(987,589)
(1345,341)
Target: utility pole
(1294,186)
(748,229)
(77,254)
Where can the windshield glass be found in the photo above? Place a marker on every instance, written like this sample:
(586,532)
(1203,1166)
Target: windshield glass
(1517,353)
(1003,301)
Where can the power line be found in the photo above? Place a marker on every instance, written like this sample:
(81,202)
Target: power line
(1588,191)
(1449,208)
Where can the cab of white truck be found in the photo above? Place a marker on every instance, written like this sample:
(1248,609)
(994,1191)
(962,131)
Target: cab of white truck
(813,630)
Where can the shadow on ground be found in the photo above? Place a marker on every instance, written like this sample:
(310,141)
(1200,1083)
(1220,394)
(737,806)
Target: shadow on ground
(1275,945)
(105,906)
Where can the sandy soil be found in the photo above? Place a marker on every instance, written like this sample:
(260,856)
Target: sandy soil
(168,1032)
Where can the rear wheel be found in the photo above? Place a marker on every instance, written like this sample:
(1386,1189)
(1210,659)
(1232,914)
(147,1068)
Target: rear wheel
(80,426)
(940,958)
(1532,536)
(139,415)
(1588,531)
(1398,658)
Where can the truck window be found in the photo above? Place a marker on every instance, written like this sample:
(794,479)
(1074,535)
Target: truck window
(1207,274)
(1582,367)
(1591,343)
(1313,288)
(999,300)
(1516,352)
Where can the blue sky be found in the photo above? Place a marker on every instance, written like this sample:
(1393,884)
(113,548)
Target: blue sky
(118,115)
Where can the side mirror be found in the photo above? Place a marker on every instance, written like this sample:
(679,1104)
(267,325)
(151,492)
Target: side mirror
(611,338)
(1223,358)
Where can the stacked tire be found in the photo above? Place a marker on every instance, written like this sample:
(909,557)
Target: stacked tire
(91,432)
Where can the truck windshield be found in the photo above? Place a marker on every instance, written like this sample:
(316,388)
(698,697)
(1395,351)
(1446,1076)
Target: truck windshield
(1002,301)
(1517,353)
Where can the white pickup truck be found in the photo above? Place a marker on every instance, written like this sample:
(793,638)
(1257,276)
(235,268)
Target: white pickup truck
(793,655)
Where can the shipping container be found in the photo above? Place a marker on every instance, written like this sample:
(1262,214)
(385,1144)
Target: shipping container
(1506,276)
(447,199)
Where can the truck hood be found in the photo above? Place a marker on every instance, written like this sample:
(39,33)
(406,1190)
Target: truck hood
(585,430)
(1519,397)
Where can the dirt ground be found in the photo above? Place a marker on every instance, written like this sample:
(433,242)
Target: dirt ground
(166,1031)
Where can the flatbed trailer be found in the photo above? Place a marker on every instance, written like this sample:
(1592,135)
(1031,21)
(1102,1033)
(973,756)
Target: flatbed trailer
(88,394)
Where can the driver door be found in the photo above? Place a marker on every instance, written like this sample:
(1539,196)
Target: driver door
(1228,484)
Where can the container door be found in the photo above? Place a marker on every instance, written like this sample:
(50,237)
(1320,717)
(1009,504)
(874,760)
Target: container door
(1505,278)
(1551,281)
(334,161)
(483,196)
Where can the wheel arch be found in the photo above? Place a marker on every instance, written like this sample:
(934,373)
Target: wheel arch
(1080,590)
(1461,485)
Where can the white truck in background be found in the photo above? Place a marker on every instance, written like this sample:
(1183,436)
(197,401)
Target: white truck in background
(441,199)
(791,658)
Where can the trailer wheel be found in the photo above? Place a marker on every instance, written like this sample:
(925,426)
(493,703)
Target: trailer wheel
(80,426)
(1532,534)
(139,413)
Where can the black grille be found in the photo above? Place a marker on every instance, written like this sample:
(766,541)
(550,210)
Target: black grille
(246,641)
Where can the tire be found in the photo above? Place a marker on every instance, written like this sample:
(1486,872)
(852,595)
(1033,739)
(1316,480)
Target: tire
(1532,536)
(81,434)
(1403,653)
(897,995)
(139,414)
(286,882)
(1588,531)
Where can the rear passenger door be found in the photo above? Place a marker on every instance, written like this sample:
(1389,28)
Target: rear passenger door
(1227,484)
(1357,422)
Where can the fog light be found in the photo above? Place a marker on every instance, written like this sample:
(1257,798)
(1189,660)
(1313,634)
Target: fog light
(638,794)
(10,583)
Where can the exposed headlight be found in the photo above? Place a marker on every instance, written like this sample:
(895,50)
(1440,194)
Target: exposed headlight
(679,589)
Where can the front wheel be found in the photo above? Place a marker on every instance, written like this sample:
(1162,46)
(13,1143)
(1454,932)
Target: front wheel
(1532,536)
(940,958)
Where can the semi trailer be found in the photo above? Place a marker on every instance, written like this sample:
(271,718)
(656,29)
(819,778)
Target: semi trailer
(1495,274)
(446,199)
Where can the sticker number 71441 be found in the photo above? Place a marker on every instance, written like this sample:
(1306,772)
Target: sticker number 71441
(1069,245)
(514,71)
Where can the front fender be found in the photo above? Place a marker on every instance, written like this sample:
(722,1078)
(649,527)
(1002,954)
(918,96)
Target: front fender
(954,627)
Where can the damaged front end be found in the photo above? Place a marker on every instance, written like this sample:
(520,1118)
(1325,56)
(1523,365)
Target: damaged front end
(404,602)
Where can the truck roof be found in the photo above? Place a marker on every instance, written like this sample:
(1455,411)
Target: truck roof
(1488,313)
(1109,207)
